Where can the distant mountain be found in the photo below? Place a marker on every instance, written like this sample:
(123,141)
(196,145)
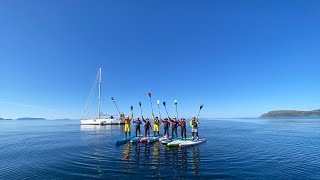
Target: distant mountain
(62,119)
(292,113)
(28,118)
(4,119)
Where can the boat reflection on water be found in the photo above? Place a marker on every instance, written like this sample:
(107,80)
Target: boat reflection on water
(99,128)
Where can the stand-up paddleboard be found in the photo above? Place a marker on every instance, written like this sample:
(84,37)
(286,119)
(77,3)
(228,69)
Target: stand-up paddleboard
(135,139)
(144,139)
(175,143)
(123,140)
(165,138)
(166,141)
(192,143)
(153,139)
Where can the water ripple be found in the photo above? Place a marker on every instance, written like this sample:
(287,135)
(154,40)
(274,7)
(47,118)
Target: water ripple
(235,149)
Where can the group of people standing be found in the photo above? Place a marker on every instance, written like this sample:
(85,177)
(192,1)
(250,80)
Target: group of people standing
(175,123)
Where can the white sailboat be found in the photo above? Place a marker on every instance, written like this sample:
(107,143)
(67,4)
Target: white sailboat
(101,118)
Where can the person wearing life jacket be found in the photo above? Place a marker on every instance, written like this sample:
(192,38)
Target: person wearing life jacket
(166,125)
(174,127)
(194,125)
(137,123)
(147,126)
(183,128)
(127,121)
(156,124)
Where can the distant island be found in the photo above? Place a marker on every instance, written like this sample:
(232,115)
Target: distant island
(28,118)
(4,119)
(291,113)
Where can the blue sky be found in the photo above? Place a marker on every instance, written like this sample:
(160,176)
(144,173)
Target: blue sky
(239,58)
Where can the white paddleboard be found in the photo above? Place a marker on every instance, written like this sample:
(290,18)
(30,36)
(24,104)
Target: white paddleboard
(175,143)
(192,143)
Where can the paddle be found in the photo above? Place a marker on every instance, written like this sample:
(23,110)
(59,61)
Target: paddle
(140,109)
(176,103)
(131,107)
(158,102)
(149,94)
(201,106)
(114,101)
(164,104)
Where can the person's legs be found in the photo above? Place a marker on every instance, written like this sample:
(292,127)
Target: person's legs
(172,131)
(126,130)
(192,131)
(197,134)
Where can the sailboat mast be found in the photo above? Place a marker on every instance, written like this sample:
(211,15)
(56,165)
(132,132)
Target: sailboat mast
(99,92)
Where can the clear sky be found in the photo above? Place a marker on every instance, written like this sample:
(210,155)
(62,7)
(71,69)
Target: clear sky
(239,58)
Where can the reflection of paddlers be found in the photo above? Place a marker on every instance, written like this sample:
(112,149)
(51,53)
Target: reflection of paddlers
(137,123)
(183,128)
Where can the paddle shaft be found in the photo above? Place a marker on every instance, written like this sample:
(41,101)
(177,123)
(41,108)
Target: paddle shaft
(177,110)
(141,110)
(166,110)
(198,113)
(159,111)
(116,106)
(151,105)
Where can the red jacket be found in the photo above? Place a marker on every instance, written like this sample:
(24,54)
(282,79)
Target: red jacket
(182,123)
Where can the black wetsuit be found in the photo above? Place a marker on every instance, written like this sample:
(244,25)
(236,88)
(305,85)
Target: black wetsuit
(137,123)
(147,127)
(174,128)
(183,129)
(166,125)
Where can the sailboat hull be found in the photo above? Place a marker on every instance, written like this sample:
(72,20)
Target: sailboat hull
(104,121)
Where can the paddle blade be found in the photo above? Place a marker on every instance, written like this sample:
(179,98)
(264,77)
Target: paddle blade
(112,99)
(201,106)
(175,102)
(158,102)
(140,104)
(164,103)
(149,94)
(131,108)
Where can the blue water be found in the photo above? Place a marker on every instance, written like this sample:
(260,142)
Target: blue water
(235,149)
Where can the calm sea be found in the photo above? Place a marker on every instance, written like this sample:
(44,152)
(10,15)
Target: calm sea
(235,149)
